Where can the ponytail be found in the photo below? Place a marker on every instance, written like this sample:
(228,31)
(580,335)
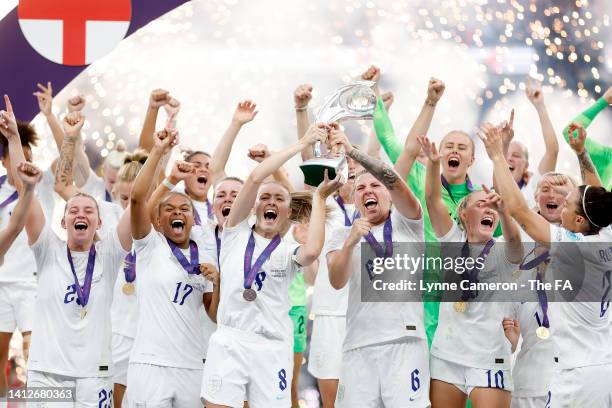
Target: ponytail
(595,204)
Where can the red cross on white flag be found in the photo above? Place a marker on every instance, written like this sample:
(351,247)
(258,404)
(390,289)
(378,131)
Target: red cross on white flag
(74,32)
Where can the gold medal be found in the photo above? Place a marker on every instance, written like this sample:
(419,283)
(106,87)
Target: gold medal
(128,288)
(83,313)
(543,333)
(516,274)
(460,307)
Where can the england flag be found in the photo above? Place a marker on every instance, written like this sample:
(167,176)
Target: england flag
(74,32)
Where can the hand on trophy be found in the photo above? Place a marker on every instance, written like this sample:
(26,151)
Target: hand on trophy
(338,141)
(317,132)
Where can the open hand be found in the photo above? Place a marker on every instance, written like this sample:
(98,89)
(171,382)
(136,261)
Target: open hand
(245,112)
(44,96)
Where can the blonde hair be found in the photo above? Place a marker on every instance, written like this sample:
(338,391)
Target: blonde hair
(116,157)
(132,163)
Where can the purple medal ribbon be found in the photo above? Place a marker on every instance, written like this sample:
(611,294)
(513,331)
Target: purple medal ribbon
(11,198)
(542,299)
(192,268)
(446,186)
(347,221)
(209,212)
(378,249)
(472,274)
(218,243)
(251,270)
(107,196)
(129,267)
(83,292)
(521,184)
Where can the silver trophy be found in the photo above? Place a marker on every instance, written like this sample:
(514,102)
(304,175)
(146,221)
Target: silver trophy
(352,101)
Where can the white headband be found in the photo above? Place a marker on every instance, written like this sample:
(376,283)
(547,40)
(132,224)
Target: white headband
(584,207)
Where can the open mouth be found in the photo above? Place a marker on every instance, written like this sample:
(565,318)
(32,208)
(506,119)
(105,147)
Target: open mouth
(511,168)
(453,162)
(80,226)
(487,221)
(351,175)
(202,179)
(370,203)
(226,210)
(270,215)
(177,226)
(552,206)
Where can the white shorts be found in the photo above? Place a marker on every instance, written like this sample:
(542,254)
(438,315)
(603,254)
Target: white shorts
(154,386)
(326,347)
(467,378)
(393,375)
(243,366)
(531,402)
(89,392)
(121,346)
(582,387)
(17,305)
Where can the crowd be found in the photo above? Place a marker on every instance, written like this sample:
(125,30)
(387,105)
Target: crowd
(186,287)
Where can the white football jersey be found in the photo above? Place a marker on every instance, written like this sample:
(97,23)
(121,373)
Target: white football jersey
(268,314)
(63,342)
(19,264)
(169,305)
(370,323)
(581,330)
(94,186)
(476,337)
(325,299)
(124,311)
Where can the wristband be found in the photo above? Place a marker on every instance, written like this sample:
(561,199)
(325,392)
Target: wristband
(302,109)
(166,183)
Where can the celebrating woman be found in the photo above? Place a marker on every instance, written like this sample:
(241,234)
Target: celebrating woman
(580,329)
(176,277)
(470,356)
(250,355)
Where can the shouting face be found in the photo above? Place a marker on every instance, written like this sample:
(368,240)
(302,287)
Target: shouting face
(176,218)
(81,219)
(272,207)
(479,221)
(197,184)
(372,199)
(225,194)
(457,151)
(517,160)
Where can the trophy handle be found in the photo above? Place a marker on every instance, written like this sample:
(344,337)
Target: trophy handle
(317,150)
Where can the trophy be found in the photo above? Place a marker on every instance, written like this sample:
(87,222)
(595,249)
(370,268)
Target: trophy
(352,101)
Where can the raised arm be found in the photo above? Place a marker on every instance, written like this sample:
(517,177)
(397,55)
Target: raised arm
(140,220)
(180,171)
(533,223)
(435,90)
(8,127)
(577,143)
(247,195)
(339,261)
(259,153)
(310,251)
(440,219)
(301,97)
(244,113)
(29,176)
(403,198)
(73,122)
(373,143)
(512,233)
(158,98)
(549,159)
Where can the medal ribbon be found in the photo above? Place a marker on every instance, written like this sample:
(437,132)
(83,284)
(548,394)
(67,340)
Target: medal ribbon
(129,267)
(375,245)
(83,292)
(446,186)
(472,274)
(11,198)
(542,298)
(107,196)
(347,221)
(251,270)
(218,243)
(209,212)
(192,268)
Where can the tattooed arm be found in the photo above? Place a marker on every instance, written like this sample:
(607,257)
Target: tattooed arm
(64,186)
(401,195)
(587,168)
